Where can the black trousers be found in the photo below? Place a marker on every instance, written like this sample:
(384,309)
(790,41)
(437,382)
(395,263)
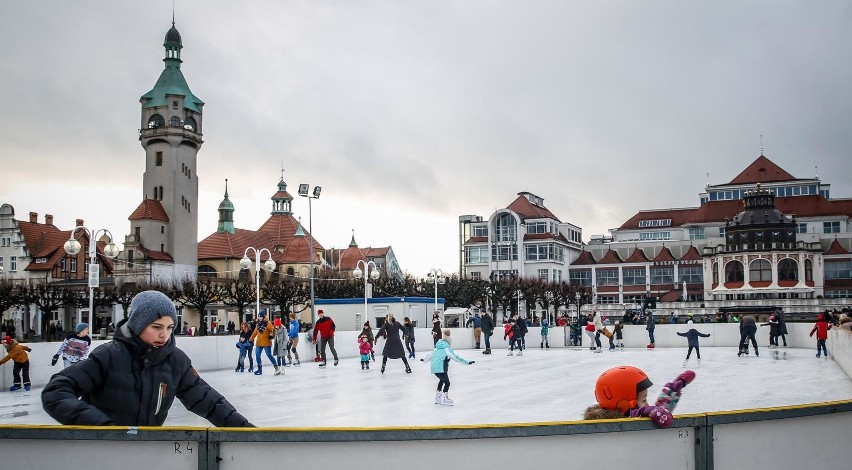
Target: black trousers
(21,368)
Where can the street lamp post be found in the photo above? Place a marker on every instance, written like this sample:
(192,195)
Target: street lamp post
(366,274)
(436,276)
(303,191)
(269,265)
(578,298)
(72,247)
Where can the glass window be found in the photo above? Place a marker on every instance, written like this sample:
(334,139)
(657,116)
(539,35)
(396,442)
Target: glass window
(475,254)
(696,233)
(174,121)
(206,271)
(581,278)
(691,274)
(156,121)
(760,270)
(831,227)
(654,235)
(506,229)
(480,231)
(476,275)
(607,277)
(607,299)
(504,252)
(838,269)
(801,228)
(634,276)
(544,274)
(809,270)
(788,270)
(557,275)
(734,272)
(722,232)
(662,275)
(537,227)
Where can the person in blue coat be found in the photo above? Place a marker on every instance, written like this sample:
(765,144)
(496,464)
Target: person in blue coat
(439,359)
(692,339)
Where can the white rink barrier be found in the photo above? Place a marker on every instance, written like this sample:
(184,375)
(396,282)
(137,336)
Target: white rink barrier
(219,352)
(784,437)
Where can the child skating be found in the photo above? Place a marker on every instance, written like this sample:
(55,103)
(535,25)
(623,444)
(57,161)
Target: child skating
(366,349)
(820,328)
(622,392)
(692,339)
(245,350)
(508,334)
(282,345)
(439,360)
(18,354)
(618,332)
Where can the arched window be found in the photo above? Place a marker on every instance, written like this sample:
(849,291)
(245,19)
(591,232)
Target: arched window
(245,275)
(734,272)
(291,271)
(174,121)
(809,270)
(190,124)
(715,273)
(760,270)
(788,270)
(206,271)
(156,121)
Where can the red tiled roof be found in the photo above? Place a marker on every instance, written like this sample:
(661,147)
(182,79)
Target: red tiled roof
(42,239)
(844,205)
(664,255)
(299,251)
(222,245)
(610,257)
(638,256)
(282,195)
(523,207)
(156,255)
(377,252)
(584,258)
(477,240)
(282,229)
(810,206)
(716,211)
(350,257)
(836,249)
(691,254)
(149,209)
(677,216)
(762,170)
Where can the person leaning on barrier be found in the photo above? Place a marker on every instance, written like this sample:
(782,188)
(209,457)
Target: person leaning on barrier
(134,379)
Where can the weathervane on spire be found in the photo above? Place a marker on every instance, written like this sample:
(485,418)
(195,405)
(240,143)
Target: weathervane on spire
(761,145)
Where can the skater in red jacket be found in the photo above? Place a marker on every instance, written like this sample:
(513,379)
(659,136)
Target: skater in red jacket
(821,329)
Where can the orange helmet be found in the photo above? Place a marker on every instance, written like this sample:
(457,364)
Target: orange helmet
(617,388)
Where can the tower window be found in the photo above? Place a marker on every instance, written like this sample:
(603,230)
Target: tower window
(156,121)
(161,193)
(174,105)
(190,124)
(137,232)
(162,247)
(174,121)
(159,159)
(162,229)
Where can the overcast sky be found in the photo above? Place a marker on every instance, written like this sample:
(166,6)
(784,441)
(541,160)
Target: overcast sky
(411,113)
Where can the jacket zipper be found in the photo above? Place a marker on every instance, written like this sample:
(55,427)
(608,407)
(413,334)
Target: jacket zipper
(160,396)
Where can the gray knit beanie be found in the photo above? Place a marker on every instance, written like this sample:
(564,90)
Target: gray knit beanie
(147,307)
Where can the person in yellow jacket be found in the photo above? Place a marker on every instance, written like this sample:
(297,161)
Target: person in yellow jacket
(262,336)
(18,353)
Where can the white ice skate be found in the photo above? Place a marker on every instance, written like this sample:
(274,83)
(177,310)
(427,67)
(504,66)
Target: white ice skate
(445,400)
(438,397)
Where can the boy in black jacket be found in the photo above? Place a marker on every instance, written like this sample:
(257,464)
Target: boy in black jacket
(133,379)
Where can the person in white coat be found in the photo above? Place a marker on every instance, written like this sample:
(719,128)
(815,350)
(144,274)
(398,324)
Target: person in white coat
(439,360)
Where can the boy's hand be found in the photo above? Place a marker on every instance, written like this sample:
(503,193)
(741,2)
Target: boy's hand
(471,363)
(55,359)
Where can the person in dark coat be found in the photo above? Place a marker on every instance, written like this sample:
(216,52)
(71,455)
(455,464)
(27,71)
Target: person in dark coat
(747,330)
(773,330)
(408,336)
(650,327)
(487,331)
(692,340)
(782,327)
(134,379)
(436,326)
(393,348)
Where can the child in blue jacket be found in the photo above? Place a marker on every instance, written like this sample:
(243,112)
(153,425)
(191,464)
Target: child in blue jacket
(692,339)
(440,362)
(245,349)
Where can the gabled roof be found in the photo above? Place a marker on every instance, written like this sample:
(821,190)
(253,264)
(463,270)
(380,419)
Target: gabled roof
(149,209)
(610,257)
(638,256)
(677,216)
(585,258)
(762,170)
(716,211)
(664,255)
(691,254)
(836,249)
(43,239)
(523,207)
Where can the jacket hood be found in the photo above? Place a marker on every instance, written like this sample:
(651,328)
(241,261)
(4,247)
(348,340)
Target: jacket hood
(442,344)
(596,412)
(139,349)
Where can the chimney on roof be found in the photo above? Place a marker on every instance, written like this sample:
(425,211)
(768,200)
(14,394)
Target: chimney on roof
(79,223)
(48,219)
(33,217)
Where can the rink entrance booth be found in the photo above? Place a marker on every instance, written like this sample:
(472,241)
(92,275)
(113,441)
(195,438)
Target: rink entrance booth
(784,437)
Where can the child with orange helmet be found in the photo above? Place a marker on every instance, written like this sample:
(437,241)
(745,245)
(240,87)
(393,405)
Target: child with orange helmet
(623,392)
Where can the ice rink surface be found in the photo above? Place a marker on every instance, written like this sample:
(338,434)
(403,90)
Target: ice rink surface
(541,385)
